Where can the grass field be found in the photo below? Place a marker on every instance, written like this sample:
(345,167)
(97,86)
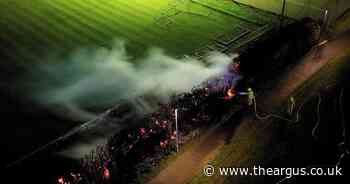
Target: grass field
(30,30)
(293,8)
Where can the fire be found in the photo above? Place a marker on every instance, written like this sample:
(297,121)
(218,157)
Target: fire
(142,131)
(230,94)
(61,180)
(106,173)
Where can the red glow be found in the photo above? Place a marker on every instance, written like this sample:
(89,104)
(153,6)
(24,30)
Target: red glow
(106,173)
(163,144)
(60,180)
(236,67)
(142,131)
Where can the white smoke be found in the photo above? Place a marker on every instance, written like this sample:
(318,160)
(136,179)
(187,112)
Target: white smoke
(100,77)
(80,149)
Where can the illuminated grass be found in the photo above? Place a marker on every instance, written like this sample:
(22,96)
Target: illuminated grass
(39,29)
(294,8)
(91,24)
(240,11)
(36,27)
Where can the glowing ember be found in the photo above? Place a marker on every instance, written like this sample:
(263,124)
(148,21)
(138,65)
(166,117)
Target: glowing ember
(163,144)
(230,94)
(164,125)
(157,135)
(60,180)
(236,67)
(106,173)
(142,131)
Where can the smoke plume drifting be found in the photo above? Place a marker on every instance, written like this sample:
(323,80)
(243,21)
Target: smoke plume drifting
(100,77)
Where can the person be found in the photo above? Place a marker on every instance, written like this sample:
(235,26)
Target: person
(291,105)
(251,96)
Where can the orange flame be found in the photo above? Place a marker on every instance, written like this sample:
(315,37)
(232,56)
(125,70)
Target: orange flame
(231,93)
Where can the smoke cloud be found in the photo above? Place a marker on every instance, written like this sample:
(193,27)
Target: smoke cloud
(100,77)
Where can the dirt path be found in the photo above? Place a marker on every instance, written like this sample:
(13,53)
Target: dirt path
(312,63)
(189,163)
(195,158)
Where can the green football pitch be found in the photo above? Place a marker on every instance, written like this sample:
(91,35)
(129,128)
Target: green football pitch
(31,30)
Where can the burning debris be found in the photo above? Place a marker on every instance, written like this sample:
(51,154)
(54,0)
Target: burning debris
(231,93)
(137,149)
